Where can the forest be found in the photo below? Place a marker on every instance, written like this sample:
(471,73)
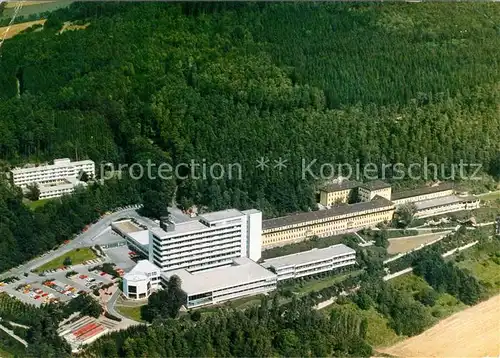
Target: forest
(226,83)
(231,83)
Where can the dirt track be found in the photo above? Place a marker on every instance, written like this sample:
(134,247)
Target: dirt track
(474,332)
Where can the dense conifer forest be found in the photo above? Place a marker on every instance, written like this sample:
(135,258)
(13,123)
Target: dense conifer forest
(231,83)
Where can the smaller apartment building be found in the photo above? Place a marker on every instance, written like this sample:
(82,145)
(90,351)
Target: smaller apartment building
(324,223)
(311,262)
(420,194)
(243,278)
(50,173)
(446,204)
(336,193)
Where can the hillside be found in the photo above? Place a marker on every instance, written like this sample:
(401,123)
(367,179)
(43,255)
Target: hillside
(231,83)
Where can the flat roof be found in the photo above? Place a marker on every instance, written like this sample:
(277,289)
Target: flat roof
(244,270)
(141,237)
(377,202)
(375,185)
(127,226)
(421,191)
(143,267)
(445,200)
(308,256)
(221,215)
(61,162)
(342,185)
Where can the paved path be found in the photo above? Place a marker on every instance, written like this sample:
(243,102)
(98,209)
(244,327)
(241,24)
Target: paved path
(11,333)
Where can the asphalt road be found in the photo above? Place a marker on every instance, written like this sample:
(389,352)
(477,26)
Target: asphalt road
(85,239)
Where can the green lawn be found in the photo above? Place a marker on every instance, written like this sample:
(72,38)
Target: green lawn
(483,261)
(134,313)
(318,284)
(36,204)
(77,257)
(490,196)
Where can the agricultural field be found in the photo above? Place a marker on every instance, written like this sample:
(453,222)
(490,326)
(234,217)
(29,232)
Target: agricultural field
(77,256)
(33,8)
(470,333)
(399,245)
(17,28)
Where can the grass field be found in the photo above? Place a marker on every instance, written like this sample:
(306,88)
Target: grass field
(17,28)
(483,261)
(36,204)
(406,244)
(77,257)
(490,196)
(318,284)
(133,313)
(473,332)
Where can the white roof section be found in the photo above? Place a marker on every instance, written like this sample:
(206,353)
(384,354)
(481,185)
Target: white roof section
(251,211)
(61,162)
(66,183)
(309,256)
(431,203)
(243,271)
(222,215)
(141,237)
(144,266)
(135,277)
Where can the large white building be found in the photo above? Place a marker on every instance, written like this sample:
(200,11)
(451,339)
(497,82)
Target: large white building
(55,179)
(211,240)
(141,281)
(243,278)
(311,262)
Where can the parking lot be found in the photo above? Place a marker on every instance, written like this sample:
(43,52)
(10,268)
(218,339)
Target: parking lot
(120,256)
(55,286)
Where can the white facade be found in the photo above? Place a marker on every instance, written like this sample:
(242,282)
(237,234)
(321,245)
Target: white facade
(136,286)
(211,240)
(243,278)
(59,188)
(444,205)
(141,280)
(254,234)
(368,191)
(61,169)
(420,194)
(311,262)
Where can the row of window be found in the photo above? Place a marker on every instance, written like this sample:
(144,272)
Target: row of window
(326,229)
